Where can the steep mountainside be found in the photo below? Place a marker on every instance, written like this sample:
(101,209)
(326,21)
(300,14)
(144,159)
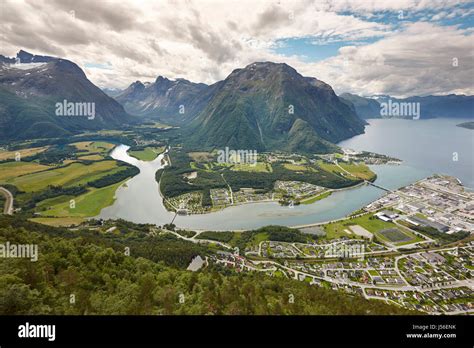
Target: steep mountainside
(30,88)
(364,107)
(173,102)
(271,106)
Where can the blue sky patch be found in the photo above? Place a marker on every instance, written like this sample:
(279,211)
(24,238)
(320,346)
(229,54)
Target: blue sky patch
(312,49)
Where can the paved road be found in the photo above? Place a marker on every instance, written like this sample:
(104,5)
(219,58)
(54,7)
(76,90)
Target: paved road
(230,189)
(194,239)
(9,201)
(366,181)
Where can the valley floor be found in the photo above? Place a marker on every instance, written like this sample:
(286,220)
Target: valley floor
(411,249)
(197,183)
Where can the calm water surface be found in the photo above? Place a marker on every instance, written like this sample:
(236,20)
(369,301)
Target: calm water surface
(431,145)
(425,147)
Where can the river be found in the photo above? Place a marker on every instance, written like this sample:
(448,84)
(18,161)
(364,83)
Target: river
(140,201)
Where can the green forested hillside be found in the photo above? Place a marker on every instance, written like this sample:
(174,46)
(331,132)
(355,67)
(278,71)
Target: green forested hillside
(28,99)
(365,107)
(94,268)
(267,106)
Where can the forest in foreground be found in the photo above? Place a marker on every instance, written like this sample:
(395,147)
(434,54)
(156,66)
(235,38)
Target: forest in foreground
(86,272)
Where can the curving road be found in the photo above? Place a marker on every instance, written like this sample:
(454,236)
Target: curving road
(8,209)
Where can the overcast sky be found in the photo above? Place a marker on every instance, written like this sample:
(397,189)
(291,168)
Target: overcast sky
(367,47)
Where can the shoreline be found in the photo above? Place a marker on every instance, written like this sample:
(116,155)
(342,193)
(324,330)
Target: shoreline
(163,199)
(267,200)
(347,217)
(292,224)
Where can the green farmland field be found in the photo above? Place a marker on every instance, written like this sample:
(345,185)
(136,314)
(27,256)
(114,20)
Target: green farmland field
(86,205)
(71,175)
(93,147)
(257,167)
(358,170)
(147,154)
(11,170)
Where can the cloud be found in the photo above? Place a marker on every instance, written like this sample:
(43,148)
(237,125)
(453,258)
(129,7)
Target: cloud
(272,18)
(422,59)
(116,15)
(204,41)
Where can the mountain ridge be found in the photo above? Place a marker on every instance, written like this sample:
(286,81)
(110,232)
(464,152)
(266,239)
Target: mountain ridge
(271,97)
(171,101)
(431,106)
(31,88)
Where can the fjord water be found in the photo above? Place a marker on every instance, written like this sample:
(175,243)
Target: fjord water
(431,145)
(140,201)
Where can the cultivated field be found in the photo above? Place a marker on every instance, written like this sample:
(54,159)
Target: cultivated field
(91,158)
(63,221)
(296,167)
(201,156)
(11,170)
(332,168)
(93,147)
(7,155)
(71,175)
(358,170)
(257,167)
(147,154)
(88,204)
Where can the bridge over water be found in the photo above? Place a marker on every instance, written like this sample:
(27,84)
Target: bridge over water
(378,186)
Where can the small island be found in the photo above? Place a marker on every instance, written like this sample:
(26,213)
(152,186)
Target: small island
(468,125)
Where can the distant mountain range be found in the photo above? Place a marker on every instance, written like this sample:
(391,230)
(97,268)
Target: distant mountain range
(172,101)
(269,106)
(452,106)
(30,88)
(264,106)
